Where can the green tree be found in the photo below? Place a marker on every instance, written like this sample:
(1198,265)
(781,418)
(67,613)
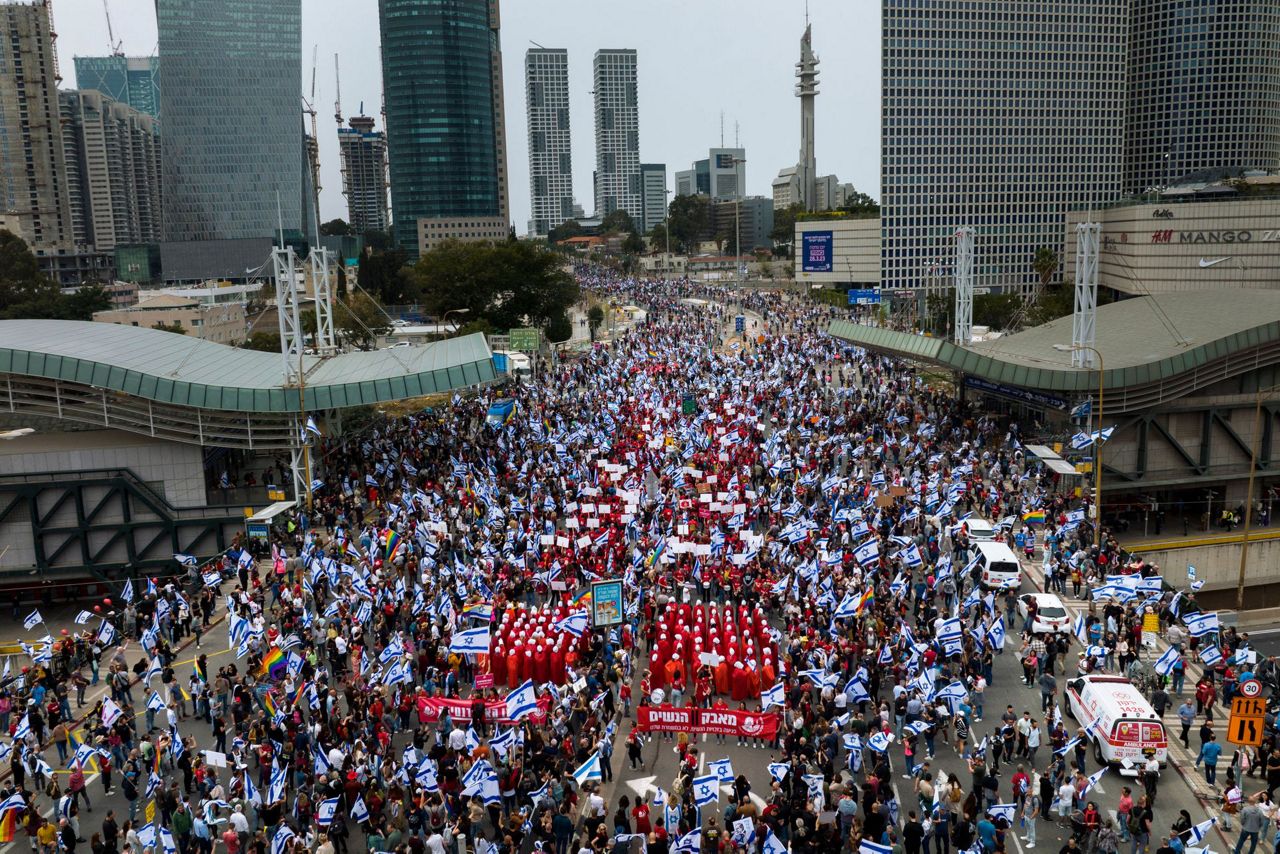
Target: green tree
(83,303)
(617,222)
(565,230)
(359,320)
(513,283)
(170,327)
(633,244)
(595,317)
(558,329)
(25,292)
(336,227)
(658,237)
(689,219)
(784,224)
(1045,264)
(384,275)
(265,341)
(378,241)
(860,205)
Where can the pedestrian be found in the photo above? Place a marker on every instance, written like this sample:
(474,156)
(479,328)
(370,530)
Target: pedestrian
(1187,717)
(1209,753)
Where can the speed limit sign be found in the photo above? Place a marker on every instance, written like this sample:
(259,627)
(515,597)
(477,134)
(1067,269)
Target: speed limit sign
(1250,688)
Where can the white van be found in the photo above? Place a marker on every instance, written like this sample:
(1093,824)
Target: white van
(998,567)
(979,530)
(1128,727)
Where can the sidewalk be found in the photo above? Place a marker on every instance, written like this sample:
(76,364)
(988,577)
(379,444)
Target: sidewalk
(1180,758)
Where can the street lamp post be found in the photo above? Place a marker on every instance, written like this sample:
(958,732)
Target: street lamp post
(1248,504)
(1097,442)
(444,321)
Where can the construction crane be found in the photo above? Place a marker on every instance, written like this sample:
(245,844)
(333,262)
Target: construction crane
(111,33)
(313,143)
(337,102)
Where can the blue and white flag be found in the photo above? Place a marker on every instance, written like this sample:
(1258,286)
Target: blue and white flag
(23,730)
(167,843)
(276,790)
(1211,656)
(744,832)
(1200,625)
(706,790)
(281,839)
(772,844)
(326,812)
(251,793)
(1092,781)
(522,701)
(775,696)
(471,641)
(126,592)
(722,768)
(996,634)
(880,741)
(359,811)
(866,847)
(33,619)
(778,770)
(1194,836)
(1003,811)
(110,712)
(1165,663)
(574,624)
(589,770)
(856,692)
(155,702)
(690,843)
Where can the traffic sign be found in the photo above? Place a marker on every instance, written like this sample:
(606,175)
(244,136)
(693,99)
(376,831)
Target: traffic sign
(1250,688)
(1247,721)
(523,340)
(740,323)
(864,296)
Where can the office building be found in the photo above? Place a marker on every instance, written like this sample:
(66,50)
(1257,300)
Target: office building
(546,80)
(750,219)
(233,153)
(224,323)
(446,134)
(33,189)
(998,116)
(617,180)
(112,154)
(798,184)
(1204,84)
(131,80)
(653,183)
(722,175)
(363,152)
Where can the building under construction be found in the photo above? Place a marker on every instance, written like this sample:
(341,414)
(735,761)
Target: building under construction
(364,174)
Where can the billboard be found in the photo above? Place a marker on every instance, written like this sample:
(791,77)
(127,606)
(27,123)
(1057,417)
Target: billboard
(817,247)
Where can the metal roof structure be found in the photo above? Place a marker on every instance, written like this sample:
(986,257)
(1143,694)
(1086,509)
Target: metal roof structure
(186,389)
(1154,349)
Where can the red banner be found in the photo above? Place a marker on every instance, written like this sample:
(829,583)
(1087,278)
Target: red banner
(495,711)
(734,722)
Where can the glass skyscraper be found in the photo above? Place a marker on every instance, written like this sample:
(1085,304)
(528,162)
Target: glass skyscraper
(1000,116)
(1204,89)
(446,137)
(232,113)
(132,80)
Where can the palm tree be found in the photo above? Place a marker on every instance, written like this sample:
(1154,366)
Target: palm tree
(1045,265)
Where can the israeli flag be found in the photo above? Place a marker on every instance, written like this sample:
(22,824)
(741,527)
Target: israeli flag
(1064,749)
(1092,781)
(706,790)
(1211,656)
(126,593)
(954,691)
(722,768)
(744,832)
(848,607)
(690,843)
(775,696)
(425,775)
(1081,440)
(1200,625)
(251,792)
(772,844)
(574,624)
(996,635)
(867,552)
(471,641)
(917,727)
(281,838)
(866,847)
(1194,836)
(156,702)
(1080,630)
(778,770)
(589,770)
(359,811)
(856,692)
(1003,811)
(110,712)
(33,619)
(13,802)
(147,835)
(23,730)
(522,701)
(1165,663)
(166,840)
(880,741)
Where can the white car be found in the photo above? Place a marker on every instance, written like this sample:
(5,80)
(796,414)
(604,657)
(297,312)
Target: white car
(1051,616)
(980,530)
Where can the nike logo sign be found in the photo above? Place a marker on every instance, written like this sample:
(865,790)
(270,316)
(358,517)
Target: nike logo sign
(1204,262)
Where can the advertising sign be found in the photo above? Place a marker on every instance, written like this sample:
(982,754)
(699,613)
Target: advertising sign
(739,723)
(817,247)
(606,603)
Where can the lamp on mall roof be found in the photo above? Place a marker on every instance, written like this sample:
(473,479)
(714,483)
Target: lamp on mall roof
(1097,441)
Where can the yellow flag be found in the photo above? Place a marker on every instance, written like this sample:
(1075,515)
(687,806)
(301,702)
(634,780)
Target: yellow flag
(150,812)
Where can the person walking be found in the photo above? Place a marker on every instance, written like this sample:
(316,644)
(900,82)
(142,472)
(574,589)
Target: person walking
(1186,717)
(1252,822)
(1209,753)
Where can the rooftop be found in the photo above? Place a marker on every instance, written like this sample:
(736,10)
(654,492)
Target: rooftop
(1146,343)
(172,368)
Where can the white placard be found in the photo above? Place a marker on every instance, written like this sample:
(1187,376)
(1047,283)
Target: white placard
(709,658)
(739,508)
(593,522)
(682,529)
(713,479)
(547,540)
(562,542)
(583,541)
(705,498)
(626,518)
(571,507)
(214,758)
(702,549)
(571,523)
(588,508)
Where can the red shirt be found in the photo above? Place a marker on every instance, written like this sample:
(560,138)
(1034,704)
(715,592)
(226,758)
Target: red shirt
(640,812)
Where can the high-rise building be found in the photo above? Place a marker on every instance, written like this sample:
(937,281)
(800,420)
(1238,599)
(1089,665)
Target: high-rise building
(653,184)
(112,154)
(749,218)
(546,80)
(799,184)
(233,153)
(1204,82)
(721,176)
(618,184)
(130,80)
(364,174)
(1000,116)
(446,134)
(33,188)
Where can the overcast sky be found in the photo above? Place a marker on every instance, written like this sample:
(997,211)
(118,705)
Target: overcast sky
(696,58)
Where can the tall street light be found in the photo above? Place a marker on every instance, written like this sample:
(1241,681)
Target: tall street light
(1097,442)
(1248,504)
(444,321)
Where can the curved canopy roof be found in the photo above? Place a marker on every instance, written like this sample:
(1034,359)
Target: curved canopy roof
(170,368)
(1146,342)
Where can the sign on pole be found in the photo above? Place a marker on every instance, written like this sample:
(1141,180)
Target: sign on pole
(523,340)
(864,296)
(1247,721)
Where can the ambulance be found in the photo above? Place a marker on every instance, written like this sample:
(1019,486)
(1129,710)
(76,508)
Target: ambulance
(1127,727)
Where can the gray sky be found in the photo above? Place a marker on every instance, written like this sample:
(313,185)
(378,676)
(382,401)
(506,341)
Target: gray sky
(696,58)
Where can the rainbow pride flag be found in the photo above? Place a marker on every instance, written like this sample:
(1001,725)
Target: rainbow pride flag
(200,672)
(393,543)
(9,824)
(583,599)
(298,694)
(269,703)
(868,596)
(273,664)
(1034,517)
